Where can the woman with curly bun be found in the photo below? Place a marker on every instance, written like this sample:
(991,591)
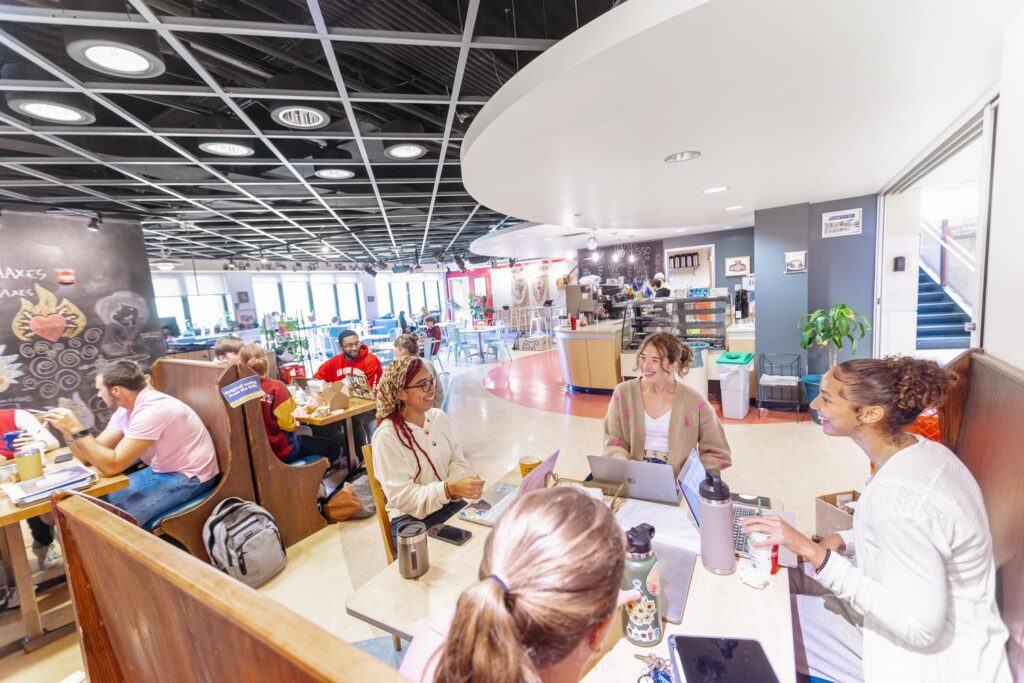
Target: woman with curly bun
(924,581)
(657,418)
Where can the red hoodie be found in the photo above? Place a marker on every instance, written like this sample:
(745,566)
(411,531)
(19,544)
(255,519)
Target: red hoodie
(340,367)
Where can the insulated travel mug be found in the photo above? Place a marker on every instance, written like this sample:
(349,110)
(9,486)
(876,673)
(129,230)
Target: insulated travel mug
(716,543)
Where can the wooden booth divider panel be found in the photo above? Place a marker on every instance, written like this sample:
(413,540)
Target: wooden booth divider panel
(288,492)
(198,384)
(983,422)
(146,611)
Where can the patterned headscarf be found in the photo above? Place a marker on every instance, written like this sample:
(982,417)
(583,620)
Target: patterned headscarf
(396,377)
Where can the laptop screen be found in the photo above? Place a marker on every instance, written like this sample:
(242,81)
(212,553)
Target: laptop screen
(689,482)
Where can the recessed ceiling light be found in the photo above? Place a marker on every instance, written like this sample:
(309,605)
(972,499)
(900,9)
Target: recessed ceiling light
(52,112)
(405,151)
(713,190)
(129,54)
(302,117)
(227,149)
(56,107)
(681,230)
(548,239)
(334,173)
(682,156)
(734,208)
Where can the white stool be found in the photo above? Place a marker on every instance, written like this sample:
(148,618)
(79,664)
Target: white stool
(538,325)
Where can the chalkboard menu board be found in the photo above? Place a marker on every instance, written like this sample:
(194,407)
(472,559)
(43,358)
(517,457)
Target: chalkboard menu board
(71,300)
(649,259)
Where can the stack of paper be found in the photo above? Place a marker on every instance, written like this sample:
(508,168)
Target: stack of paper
(34,490)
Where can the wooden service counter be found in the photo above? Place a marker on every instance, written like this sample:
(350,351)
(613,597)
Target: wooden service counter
(590,356)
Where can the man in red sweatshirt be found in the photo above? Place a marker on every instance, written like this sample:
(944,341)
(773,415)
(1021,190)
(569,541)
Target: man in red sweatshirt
(355,359)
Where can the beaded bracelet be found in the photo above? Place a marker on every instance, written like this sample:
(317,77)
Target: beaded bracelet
(828,554)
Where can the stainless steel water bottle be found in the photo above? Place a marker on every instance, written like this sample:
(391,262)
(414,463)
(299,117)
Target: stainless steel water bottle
(641,618)
(716,542)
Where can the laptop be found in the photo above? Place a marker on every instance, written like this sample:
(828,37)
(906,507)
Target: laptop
(643,480)
(693,473)
(490,507)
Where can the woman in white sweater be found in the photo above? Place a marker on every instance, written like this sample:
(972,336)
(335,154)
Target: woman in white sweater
(416,458)
(924,580)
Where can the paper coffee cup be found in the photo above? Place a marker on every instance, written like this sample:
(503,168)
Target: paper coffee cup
(30,463)
(765,559)
(527,464)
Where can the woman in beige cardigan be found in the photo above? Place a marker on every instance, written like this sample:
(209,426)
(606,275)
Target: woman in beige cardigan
(657,418)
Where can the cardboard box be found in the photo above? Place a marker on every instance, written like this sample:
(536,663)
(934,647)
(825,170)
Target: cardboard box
(534,343)
(829,518)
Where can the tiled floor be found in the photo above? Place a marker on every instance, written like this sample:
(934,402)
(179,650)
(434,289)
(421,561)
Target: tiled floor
(790,461)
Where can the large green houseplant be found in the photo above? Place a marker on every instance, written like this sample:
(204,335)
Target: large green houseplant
(831,328)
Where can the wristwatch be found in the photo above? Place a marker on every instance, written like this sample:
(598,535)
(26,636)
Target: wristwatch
(79,434)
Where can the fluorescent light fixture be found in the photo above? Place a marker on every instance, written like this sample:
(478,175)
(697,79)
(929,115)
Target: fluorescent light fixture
(227,149)
(713,190)
(682,156)
(737,207)
(300,116)
(405,151)
(334,173)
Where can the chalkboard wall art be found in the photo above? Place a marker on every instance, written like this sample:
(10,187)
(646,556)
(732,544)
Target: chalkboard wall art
(649,259)
(71,300)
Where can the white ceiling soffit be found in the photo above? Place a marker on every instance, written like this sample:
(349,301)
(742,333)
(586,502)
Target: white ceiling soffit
(788,102)
(533,240)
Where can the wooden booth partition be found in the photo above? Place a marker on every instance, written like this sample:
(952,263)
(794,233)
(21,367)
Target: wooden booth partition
(198,384)
(146,611)
(983,422)
(288,492)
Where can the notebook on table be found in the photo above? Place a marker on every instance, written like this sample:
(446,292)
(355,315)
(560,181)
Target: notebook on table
(490,507)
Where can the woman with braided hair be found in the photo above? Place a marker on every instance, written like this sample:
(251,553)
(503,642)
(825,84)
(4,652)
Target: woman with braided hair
(417,460)
(924,580)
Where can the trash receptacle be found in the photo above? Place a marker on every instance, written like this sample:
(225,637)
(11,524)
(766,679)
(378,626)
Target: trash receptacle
(734,374)
(697,376)
(812,386)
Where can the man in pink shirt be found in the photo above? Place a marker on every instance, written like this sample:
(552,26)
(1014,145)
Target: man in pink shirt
(147,425)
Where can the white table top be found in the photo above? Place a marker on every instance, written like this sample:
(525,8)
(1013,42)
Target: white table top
(716,606)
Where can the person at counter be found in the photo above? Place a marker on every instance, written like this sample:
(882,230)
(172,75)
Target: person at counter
(163,432)
(657,418)
(355,359)
(924,581)
(226,349)
(17,420)
(546,595)
(416,458)
(658,284)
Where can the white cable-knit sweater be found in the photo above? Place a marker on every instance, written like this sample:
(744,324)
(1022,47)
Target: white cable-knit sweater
(925,579)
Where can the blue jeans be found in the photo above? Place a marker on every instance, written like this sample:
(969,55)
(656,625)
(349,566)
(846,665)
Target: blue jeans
(150,493)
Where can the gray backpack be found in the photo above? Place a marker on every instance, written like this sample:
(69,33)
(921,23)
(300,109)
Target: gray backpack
(242,540)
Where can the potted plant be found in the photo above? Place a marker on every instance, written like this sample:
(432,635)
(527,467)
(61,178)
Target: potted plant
(829,329)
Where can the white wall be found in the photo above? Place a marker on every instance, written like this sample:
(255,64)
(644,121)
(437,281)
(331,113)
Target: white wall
(1002,330)
(898,323)
(685,278)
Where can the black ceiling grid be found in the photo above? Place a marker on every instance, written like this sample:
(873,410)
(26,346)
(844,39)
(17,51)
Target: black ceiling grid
(289,129)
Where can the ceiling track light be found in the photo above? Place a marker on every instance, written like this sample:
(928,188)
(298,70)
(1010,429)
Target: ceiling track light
(369,270)
(54,107)
(94,223)
(297,115)
(126,54)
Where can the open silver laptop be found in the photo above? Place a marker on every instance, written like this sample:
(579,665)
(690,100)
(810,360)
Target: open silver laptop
(643,480)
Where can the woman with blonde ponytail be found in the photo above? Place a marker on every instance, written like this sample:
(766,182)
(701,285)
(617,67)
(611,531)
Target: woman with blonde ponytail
(547,592)
(924,581)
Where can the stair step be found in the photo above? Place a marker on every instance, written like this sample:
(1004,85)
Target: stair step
(942,318)
(951,342)
(931,297)
(940,330)
(928,287)
(937,307)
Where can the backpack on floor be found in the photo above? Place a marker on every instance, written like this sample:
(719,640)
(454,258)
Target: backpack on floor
(243,541)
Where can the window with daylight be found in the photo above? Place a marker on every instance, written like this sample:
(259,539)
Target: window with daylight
(198,300)
(267,294)
(325,305)
(349,301)
(296,296)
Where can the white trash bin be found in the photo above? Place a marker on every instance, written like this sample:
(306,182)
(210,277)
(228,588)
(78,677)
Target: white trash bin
(735,382)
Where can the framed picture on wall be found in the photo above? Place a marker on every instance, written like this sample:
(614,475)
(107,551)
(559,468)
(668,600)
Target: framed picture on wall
(840,223)
(243,297)
(736,266)
(796,262)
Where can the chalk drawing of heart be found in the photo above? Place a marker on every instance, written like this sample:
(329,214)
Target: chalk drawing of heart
(49,327)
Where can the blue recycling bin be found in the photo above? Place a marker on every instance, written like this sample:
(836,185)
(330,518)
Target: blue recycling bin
(812,385)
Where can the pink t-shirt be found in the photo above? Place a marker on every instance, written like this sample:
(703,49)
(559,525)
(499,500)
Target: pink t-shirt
(180,440)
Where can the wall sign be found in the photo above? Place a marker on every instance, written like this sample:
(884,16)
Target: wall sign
(796,262)
(737,266)
(840,223)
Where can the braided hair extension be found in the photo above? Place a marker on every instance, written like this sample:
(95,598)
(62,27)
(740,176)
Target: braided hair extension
(396,377)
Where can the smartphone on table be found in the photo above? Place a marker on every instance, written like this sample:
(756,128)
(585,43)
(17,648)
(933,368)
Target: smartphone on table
(449,534)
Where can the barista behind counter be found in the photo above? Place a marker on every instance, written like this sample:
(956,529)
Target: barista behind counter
(590,356)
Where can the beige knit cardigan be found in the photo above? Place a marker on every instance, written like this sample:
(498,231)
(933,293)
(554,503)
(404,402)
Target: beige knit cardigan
(693,425)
